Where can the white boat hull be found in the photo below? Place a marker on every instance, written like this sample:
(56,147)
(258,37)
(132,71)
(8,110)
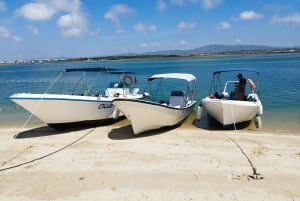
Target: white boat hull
(228,112)
(146,115)
(58,109)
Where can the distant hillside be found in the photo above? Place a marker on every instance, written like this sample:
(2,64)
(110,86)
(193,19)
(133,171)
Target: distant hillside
(229,48)
(212,49)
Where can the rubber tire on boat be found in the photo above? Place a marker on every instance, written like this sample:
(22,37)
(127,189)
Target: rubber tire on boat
(116,114)
(258,122)
(199,113)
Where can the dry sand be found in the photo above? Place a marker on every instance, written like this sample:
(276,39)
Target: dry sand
(183,163)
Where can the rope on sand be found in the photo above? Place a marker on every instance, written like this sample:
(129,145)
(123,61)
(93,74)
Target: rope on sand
(47,155)
(255,175)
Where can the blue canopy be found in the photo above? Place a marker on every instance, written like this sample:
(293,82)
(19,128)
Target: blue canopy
(98,69)
(95,69)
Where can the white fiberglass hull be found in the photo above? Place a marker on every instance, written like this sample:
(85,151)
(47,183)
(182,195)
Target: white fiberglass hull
(58,109)
(228,112)
(146,115)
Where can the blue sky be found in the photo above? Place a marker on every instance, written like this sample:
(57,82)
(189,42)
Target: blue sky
(31,29)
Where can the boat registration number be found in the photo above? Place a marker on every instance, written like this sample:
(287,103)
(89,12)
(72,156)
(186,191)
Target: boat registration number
(104,106)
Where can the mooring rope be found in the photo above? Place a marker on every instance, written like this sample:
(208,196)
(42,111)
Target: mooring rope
(255,175)
(47,155)
(29,118)
(39,103)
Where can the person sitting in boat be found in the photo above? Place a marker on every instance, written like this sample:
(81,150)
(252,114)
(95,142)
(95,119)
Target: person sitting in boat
(240,87)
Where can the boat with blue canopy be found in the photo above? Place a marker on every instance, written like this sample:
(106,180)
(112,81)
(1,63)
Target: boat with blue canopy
(89,99)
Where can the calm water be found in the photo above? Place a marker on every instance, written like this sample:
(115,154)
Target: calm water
(279,83)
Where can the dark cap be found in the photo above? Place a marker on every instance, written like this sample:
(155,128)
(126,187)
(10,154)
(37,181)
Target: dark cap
(239,75)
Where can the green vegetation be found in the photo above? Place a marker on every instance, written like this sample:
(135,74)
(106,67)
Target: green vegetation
(156,55)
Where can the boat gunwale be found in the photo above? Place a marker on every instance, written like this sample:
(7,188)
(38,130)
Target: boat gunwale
(60,97)
(155,103)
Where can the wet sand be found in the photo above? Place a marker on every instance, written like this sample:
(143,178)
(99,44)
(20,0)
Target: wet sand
(188,162)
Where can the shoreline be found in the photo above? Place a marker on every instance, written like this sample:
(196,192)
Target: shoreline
(176,163)
(190,122)
(213,54)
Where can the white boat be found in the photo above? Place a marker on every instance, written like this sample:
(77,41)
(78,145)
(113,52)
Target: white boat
(160,110)
(222,104)
(59,109)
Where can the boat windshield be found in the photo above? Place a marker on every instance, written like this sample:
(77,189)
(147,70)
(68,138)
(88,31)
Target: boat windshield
(223,82)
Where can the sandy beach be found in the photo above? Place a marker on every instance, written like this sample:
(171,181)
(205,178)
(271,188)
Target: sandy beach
(179,163)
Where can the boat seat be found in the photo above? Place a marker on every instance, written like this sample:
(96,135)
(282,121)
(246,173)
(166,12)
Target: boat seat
(112,91)
(177,98)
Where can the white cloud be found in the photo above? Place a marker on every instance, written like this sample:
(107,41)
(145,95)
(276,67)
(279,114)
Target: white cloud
(2,6)
(66,5)
(237,40)
(293,20)
(41,10)
(72,24)
(73,31)
(33,30)
(161,5)
(120,30)
(140,27)
(186,25)
(250,15)
(114,14)
(154,44)
(96,33)
(223,26)
(143,45)
(152,28)
(149,45)
(5,34)
(72,20)
(16,38)
(206,4)
(36,11)
(209,4)
(183,42)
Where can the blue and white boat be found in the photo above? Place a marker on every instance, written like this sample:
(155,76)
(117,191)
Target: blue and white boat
(57,109)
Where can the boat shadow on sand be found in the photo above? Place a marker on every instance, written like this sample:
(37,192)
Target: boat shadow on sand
(126,132)
(62,129)
(209,123)
(39,132)
(214,125)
